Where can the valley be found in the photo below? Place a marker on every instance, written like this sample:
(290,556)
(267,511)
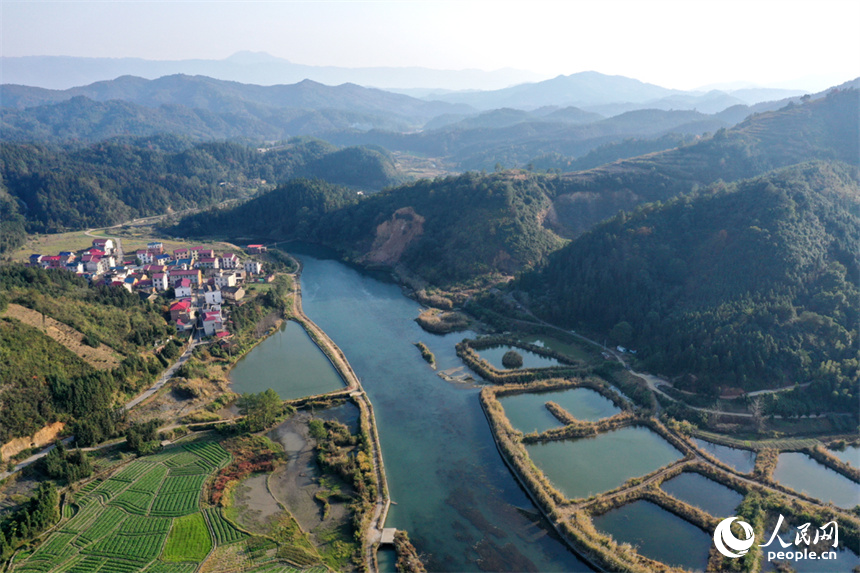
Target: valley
(301,327)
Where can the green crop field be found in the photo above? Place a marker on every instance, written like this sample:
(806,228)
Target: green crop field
(146,517)
(189,539)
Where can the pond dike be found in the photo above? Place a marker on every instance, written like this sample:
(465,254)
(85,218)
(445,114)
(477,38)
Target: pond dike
(373,536)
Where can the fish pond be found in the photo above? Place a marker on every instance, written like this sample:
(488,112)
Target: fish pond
(290,363)
(742,460)
(658,534)
(583,467)
(802,473)
(528,412)
(494,355)
(704,493)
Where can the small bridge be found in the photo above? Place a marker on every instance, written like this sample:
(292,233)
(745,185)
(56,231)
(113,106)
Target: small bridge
(388,536)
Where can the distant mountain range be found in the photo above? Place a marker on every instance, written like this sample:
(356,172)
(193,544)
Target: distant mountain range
(610,95)
(62,72)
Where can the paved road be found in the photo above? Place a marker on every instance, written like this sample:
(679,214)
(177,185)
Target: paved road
(165,376)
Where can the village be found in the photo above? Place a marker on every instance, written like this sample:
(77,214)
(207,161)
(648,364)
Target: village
(203,282)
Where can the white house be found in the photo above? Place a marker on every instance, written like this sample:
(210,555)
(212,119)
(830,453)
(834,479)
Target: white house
(159,281)
(223,280)
(212,323)
(213,296)
(253,267)
(183,288)
(229,261)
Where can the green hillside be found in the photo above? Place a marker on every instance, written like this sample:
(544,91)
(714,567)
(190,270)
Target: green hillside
(825,128)
(56,189)
(752,284)
(449,230)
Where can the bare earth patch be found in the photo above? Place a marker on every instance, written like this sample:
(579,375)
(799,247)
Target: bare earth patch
(101,358)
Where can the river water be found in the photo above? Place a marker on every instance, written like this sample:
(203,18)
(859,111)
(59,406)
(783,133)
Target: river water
(461,505)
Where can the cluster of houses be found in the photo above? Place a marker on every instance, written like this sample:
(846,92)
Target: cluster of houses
(202,280)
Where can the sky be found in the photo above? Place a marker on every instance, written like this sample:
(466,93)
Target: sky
(676,44)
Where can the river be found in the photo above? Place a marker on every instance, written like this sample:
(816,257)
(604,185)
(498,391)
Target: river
(461,505)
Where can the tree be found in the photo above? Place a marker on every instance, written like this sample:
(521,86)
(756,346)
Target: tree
(512,359)
(260,410)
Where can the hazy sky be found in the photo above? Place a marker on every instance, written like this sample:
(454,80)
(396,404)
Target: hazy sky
(676,44)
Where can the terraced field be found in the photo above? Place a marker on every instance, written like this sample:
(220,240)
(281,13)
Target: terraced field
(148,517)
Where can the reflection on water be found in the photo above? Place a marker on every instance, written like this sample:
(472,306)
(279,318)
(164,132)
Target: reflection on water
(742,460)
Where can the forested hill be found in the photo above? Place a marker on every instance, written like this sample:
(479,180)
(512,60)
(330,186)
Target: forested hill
(450,230)
(824,128)
(753,284)
(51,189)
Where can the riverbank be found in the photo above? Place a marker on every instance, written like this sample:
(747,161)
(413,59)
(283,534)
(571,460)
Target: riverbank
(371,531)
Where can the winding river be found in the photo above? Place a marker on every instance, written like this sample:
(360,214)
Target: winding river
(461,505)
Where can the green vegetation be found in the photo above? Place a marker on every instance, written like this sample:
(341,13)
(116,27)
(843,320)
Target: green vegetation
(70,466)
(426,354)
(149,507)
(189,539)
(512,360)
(260,410)
(746,285)
(39,513)
(133,178)
(225,532)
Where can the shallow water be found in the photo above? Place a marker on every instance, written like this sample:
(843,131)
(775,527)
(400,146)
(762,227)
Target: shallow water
(697,490)
(288,362)
(850,455)
(494,355)
(454,494)
(742,460)
(657,534)
(528,412)
(583,467)
(802,473)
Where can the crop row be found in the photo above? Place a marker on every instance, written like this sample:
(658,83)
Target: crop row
(161,567)
(198,467)
(151,480)
(176,484)
(175,504)
(138,525)
(224,531)
(107,521)
(146,547)
(86,564)
(131,472)
(209,451)
(121,566)
(133,502)
(110,488)
(180,458)
(188,540)
(57,546)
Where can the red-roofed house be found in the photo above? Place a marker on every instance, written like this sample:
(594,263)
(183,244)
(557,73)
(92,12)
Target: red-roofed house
(207,263)
(180,307)
(159,281)
(229,261)
(256,249)
(212,323)
(105,245)
(183,289)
